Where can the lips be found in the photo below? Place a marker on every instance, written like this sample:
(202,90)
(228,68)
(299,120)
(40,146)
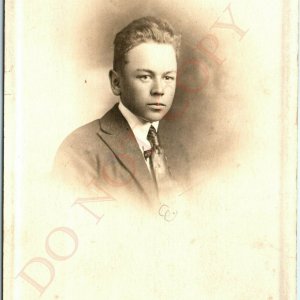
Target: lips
(157,105)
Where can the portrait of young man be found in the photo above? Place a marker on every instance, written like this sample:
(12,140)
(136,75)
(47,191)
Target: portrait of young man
(150,150)
(127,153)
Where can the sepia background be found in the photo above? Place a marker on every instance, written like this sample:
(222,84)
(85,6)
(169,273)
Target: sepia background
(234,109)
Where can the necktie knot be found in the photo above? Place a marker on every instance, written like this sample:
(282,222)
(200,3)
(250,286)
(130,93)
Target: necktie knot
(147,153)
(152,137)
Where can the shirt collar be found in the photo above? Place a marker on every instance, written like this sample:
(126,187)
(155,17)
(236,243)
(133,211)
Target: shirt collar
(139,126)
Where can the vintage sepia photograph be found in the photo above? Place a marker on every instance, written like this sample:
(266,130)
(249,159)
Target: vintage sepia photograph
(123,148)
(150,149)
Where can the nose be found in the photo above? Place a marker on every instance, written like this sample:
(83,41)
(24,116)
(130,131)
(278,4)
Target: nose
(157,88)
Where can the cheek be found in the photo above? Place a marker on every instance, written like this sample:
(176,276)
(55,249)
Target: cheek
(170,89)
(140,90)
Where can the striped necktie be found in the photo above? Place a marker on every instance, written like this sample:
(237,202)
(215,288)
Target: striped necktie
(158,162)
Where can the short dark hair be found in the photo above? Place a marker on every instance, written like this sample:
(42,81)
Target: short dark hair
(140,31)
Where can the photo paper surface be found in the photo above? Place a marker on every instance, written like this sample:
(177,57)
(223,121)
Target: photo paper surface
(150,150)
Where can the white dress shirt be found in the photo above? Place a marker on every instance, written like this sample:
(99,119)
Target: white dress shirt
(139,128)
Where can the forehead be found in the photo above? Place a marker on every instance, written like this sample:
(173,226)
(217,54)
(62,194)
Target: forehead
(152,56)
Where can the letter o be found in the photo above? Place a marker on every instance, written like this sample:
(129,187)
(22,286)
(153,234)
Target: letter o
(69,232)
(204,71)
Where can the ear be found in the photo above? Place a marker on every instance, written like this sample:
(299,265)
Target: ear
(114,78)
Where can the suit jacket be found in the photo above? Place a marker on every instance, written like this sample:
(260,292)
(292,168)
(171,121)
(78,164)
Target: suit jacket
(105,154)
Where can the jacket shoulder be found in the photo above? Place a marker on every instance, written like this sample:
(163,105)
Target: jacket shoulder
(77,155)
(81,136)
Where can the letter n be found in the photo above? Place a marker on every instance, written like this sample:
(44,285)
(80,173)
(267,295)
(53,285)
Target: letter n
(84,200)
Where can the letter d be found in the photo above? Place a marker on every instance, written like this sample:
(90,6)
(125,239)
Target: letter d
(41,288)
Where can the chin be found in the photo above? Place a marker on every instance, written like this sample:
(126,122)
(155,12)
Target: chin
(153,117)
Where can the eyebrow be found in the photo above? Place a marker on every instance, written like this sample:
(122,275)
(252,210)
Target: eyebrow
(151,72)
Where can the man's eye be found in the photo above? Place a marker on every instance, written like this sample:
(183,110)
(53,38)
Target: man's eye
(144,77)
(169,78)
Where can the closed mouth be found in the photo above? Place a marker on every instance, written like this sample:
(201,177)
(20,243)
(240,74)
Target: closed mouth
(156,104)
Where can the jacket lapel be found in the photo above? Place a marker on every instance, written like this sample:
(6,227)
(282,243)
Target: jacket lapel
(117,134)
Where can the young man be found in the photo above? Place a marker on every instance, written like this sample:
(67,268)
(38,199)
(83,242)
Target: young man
(122,153)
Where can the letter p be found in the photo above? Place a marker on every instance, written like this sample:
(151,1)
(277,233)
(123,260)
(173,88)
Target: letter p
(209,45)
